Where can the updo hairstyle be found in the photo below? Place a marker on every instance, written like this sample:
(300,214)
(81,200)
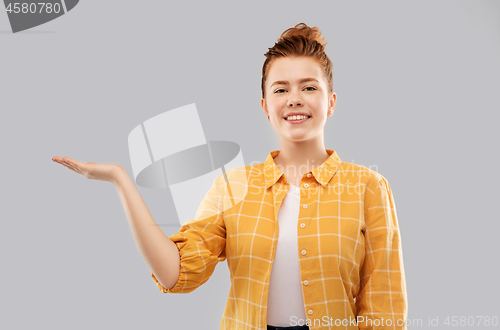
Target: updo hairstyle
(300,41)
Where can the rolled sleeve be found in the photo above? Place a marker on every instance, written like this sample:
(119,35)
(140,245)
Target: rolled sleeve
(201,243)
(382,298)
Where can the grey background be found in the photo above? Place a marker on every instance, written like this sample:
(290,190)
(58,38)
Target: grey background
(417,85)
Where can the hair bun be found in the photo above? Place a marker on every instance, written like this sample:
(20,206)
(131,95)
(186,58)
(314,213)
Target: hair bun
(301,29)
(299,41)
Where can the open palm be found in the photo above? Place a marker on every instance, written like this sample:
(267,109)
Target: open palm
(103,172)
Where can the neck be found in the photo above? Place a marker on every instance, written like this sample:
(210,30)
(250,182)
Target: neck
(302,156)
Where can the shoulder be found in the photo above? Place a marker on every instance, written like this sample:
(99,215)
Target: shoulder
(373,181)
(250,170)
(365,175)
(240,175)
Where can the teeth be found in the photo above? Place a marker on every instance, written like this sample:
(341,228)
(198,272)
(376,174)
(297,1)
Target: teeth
(297,117)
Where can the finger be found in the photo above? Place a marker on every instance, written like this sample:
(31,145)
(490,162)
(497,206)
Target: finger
(74,162)
(70,167)
(64,161)
(59,160)
(73,167)
(68,163)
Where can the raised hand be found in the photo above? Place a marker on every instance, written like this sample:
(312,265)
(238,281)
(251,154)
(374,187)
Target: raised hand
(104,172)
(158,250)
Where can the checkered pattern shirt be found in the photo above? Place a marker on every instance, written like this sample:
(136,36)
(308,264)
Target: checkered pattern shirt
(349,243)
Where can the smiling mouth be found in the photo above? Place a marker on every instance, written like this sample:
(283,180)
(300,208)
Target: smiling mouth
(297,121)
(293,118)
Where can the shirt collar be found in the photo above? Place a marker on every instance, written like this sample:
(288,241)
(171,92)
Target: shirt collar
(322,173)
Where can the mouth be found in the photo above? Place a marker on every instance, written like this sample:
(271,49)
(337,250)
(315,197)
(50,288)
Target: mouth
(296,119)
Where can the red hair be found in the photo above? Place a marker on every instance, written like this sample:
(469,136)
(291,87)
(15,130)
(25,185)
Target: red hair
(300,41)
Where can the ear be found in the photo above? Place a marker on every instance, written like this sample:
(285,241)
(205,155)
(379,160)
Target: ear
(332,100)
(263,105)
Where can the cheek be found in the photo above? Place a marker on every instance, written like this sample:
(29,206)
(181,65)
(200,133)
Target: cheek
(274,105)
(320,105)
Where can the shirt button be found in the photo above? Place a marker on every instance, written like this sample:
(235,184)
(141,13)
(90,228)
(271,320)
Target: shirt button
(302,225)
(303,252)
(310,311)
(305,206)
(308,175)
(305,282)
(306,185)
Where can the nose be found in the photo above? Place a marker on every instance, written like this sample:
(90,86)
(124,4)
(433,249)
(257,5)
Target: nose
(294,100)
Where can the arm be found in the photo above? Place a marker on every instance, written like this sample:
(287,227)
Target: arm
(382,292)
(159,252)
(157,249)
(201,242)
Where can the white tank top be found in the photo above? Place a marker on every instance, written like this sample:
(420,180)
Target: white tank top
(285,289)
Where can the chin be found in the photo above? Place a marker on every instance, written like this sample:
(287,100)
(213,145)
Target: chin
(298,139)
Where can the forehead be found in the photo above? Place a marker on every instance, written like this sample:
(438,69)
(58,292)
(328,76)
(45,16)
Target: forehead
(294,68)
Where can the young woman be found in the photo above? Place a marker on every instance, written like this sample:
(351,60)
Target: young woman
(314,242)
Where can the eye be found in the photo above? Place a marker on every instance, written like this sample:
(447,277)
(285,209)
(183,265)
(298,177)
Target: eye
(277,91)
(313,88)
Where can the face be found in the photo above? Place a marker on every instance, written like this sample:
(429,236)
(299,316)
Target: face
(297,85)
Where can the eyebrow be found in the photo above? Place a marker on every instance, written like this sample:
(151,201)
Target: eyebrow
(284,82)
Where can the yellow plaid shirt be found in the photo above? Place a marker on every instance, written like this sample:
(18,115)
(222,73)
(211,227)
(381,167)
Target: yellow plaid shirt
(350,255)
